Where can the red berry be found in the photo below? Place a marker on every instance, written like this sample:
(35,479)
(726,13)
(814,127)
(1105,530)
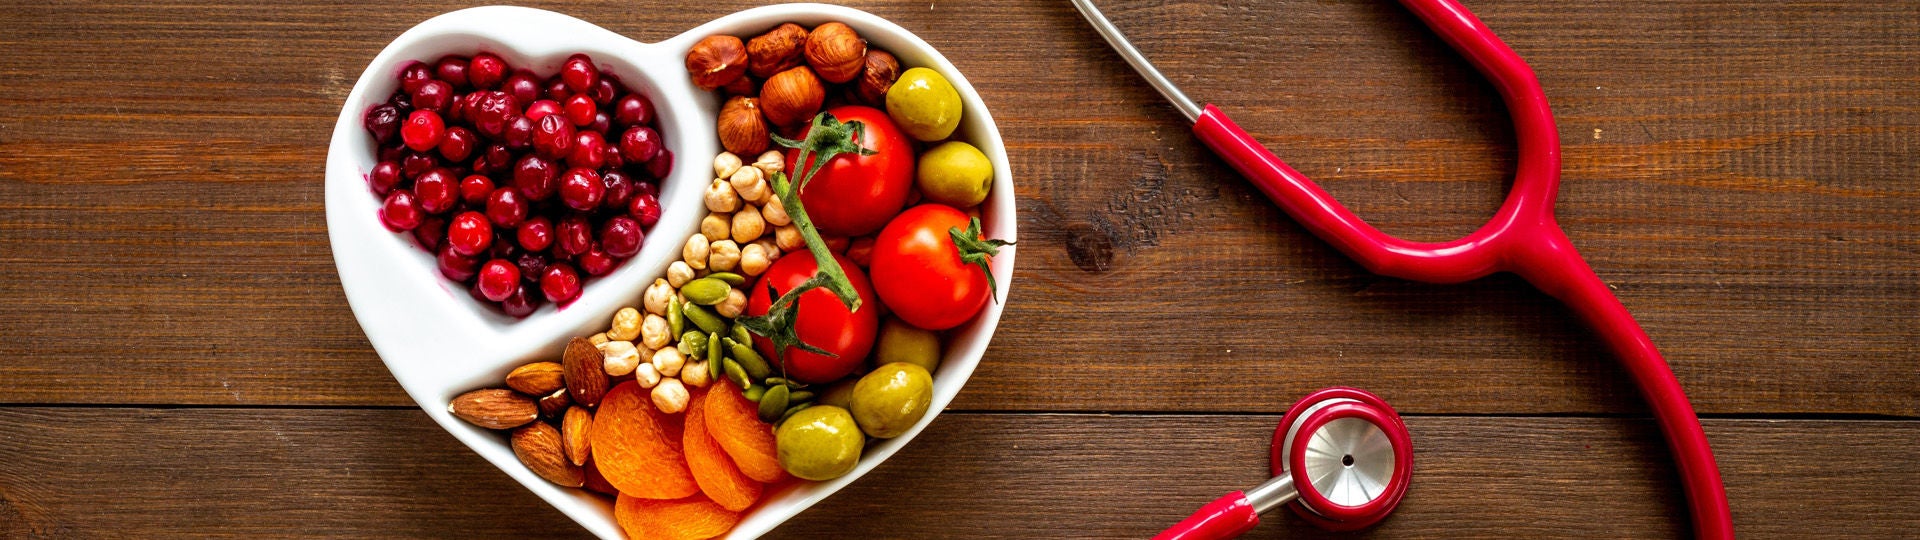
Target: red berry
(645,208)
(518,134)
(661,165)
(523,86)
(475,188)
(455,266)
(579,74)
(619,189)
(436,192)
(572,236)
(560,283)
(383,122)
(579,109)
(416,164)
(589,151)
(535,234)
(486,71)
(383,177)
(470,234)
(400,213)
(506,207)
(498,279)
(639,144)
(537,178)
(520,303)
(581,189)
(452,69)
(432,96)
(542,109)
(494,161)
(556,89)
(633,110)
(414,75)
(430,233)
(552,137)
(603,91)
(532,265)
(601,122)
(423,130)
(491,111)
(458,144)
(503,245)
(597,262)
(621,237)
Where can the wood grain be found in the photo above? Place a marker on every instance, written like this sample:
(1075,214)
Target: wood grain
(92,472)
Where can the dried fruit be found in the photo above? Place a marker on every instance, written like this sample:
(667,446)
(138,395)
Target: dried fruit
(494,408)
(538,446)
(734,422)
(573,434)
(691,518)
(595,481)
(638,447)
(716,61)
(742,128)
(536,379)
(836,52)
(581,366)
(776,51)
(712,468)
(791,97)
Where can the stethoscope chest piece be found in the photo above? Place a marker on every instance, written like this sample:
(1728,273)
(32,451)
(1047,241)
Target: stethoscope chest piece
(1345,454)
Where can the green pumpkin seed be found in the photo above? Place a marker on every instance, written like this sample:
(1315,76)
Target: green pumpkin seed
(702,318)
(773,404)
(790,411)
(754,364)
(674,318)
(797,396)
(740,334)
(716,369)
(716,350)
(706,291)
(731,278)
(755,393)
(735,374)
(790,383)
(693,344)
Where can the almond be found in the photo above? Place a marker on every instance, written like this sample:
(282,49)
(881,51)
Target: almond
(555,404)
(495,408)
(581,367)
(536,379)
(573,434)
(538,447)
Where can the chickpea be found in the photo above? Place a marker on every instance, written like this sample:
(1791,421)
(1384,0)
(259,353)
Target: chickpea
(656,297)
(751,184)
(716,225)
(748,225)
(721,197)
(620,357)
(697,374)
(771,246)
(598,339)
(725,164)
(695,252)
(626,325)
(655,332)
(646,376)
(678,274)
(724,256)
(735,303)
(671,396)
(753,259)
(775,212)
(669,361)
(769,162)
(788,237)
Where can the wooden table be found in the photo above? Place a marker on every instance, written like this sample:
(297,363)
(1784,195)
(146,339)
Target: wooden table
(177,359)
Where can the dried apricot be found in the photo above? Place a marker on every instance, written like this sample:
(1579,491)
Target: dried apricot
(734,422)
(712,468)
(692,518)
(637,447)
(596,482)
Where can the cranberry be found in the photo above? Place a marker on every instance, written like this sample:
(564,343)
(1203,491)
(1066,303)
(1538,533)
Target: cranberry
(503,245)
(560,283)
(601,122)
(603,91)
(475,188)
(598,263)
(581,189)
(518,134)
(496,160)
(383,177)
(470,234)
(431,231)
(579,74)
(414,75)
(423,130)
(506,207)
(639,144)
(523,86)
(580,109)
(383,122)
(490,112)
(610,154)
(433,96)
(393,153)
(486,71)
(535,234)
(633,110)
(649,188)
(400,212)
(520,303)
(498,279)
(543,108)
(645,208)
(531,266)
(589,151)
(401,101)
(661,165)
(621,236)
(452,69)
(455,266)
(436,191)
(552,137)
(537,178)
(572,236)
(416,164)
(619,189)
(458,145)
(556,89)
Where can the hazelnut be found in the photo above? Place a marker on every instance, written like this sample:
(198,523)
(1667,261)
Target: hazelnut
(775,51)
(791,97)
(716,61)
(882,70)
(742,129)
(744,86)
(836,52)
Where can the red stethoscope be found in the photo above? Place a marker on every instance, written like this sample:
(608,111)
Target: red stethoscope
(1523,238)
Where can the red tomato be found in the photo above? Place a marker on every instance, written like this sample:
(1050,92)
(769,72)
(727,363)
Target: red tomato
(824,322)
(854,195)
(918,271)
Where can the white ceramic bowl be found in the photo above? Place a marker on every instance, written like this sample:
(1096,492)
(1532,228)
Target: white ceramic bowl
(439,342)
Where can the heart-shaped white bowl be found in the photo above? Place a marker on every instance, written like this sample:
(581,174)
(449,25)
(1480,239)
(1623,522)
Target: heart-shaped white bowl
(440,343)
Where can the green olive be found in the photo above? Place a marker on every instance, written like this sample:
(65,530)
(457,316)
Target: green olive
(839,395)
(819,443)
(889,401)
(902,342)
(924,104)
(955,174)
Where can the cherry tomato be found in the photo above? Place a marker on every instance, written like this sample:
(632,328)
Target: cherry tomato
(918,271)
(854,195)
(823,322)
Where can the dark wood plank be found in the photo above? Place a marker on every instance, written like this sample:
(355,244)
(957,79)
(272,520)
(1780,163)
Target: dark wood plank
(1739,169)
(160,473)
